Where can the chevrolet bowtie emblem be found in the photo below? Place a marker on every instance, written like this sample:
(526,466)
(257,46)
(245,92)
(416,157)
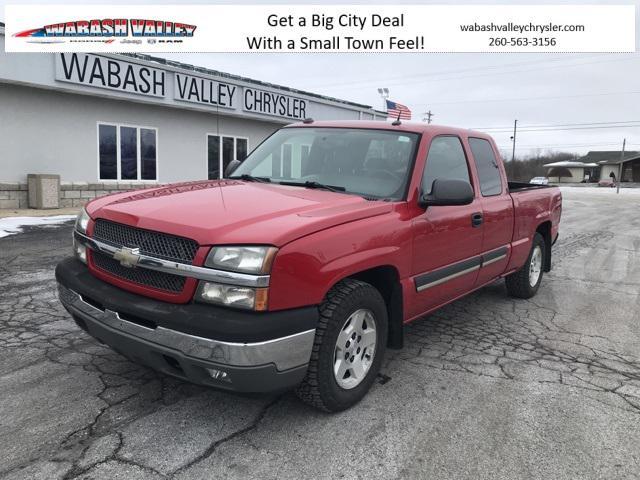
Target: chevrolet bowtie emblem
(128,257)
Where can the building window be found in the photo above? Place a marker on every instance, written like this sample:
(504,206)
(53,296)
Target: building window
(221,150)
(108,141)
(127,153)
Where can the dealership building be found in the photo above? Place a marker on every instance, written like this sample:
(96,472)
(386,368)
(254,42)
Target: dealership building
(105,123)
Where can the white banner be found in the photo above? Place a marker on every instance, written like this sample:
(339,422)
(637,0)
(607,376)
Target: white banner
(320,28)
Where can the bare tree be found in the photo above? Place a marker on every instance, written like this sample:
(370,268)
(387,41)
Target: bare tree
(525,168)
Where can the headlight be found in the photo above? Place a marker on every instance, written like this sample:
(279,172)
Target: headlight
(233,296)
(82,221)
(241,259)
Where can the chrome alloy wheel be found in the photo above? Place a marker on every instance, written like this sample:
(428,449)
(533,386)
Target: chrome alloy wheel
(535,266)
(355,349)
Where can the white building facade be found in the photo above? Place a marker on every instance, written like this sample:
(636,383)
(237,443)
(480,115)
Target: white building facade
(106,123)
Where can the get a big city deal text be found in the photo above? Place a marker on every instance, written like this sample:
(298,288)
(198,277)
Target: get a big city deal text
(327,22)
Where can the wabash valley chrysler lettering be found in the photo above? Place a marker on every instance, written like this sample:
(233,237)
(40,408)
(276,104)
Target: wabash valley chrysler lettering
(128,77)
(261,101)
(105,72)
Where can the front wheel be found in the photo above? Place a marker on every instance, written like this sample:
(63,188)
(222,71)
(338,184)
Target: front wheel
(525,282)
(351,337)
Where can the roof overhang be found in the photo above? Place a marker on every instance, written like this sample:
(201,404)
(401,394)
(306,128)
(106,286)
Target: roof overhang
(619,161)
(568,164)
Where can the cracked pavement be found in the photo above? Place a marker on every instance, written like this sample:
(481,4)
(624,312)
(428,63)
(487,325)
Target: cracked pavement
(488,387)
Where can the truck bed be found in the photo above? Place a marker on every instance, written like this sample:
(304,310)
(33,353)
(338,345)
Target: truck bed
(520,186)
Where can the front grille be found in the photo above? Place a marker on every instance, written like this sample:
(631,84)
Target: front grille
(154,244)
(142,276)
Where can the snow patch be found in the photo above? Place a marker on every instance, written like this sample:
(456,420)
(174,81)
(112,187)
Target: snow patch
(608,191)
(13,225)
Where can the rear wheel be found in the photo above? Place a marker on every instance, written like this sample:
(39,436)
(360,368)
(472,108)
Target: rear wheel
(525,282)
(351,337)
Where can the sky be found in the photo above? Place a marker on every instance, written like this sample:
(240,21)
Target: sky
(482,91)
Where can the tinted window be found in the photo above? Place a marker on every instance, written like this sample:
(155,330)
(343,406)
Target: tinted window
(241,149)
(148,153)
(137,149)
(445,160)
(108,155)
(213,156)
(487,166)
(227,152)
(128,153)
(225,149)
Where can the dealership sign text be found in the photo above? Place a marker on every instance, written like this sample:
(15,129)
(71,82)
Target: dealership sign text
(112,27)
(128,77)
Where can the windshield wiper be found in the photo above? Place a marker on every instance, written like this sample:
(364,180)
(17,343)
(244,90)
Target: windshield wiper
(251,178)
(322,186)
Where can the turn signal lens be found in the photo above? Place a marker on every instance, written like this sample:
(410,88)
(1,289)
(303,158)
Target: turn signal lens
(262,296)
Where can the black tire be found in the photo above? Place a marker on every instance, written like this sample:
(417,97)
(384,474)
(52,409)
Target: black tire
(319,387)
(518,284)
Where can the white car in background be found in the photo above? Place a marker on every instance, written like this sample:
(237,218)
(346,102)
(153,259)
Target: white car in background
(539,181)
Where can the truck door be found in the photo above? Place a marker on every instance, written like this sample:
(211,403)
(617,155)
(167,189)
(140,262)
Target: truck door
(446,243)
(497,210)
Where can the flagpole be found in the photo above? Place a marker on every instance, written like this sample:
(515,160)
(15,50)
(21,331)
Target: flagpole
(384,93)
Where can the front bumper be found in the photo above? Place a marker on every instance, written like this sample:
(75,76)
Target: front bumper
(270,364)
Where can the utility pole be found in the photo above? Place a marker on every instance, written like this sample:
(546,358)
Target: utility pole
(426,116)
(624,142)
(513,139)
(384,93)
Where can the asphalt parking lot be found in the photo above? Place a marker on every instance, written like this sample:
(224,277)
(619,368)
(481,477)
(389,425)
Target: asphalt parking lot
(488,387)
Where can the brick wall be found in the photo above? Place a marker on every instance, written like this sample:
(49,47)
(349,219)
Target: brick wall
(76,194)
(13,195)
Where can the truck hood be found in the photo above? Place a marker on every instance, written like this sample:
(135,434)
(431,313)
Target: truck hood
(235,212)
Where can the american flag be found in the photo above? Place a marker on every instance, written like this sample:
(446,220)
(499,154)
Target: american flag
(394,109)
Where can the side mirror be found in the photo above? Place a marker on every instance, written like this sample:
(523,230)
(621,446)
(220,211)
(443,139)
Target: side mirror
(233,164)
(448,192)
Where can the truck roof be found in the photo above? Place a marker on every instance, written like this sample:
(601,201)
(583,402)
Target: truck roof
(415,127)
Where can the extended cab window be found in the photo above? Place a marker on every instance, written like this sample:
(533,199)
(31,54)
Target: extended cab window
(446,160)
(487,166)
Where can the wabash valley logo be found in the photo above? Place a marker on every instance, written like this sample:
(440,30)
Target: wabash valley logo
(112,28)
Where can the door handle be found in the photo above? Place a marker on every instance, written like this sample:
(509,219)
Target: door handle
(476,220)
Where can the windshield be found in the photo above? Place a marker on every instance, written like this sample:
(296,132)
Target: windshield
(371,163)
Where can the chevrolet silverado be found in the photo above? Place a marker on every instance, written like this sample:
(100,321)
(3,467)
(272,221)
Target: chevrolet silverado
(301,268)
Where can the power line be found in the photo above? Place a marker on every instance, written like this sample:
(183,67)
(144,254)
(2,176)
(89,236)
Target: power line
(472,69)
(560,145)
(611,122)
(427,77)
(524,99)
(566,128)
(570,128)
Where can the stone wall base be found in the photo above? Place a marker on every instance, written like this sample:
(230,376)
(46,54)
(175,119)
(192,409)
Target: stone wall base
(76,194)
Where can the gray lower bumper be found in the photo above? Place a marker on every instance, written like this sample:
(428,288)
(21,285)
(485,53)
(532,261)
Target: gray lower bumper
(279,363)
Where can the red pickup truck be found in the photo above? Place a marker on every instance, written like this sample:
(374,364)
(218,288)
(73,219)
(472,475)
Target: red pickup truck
(301,267)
